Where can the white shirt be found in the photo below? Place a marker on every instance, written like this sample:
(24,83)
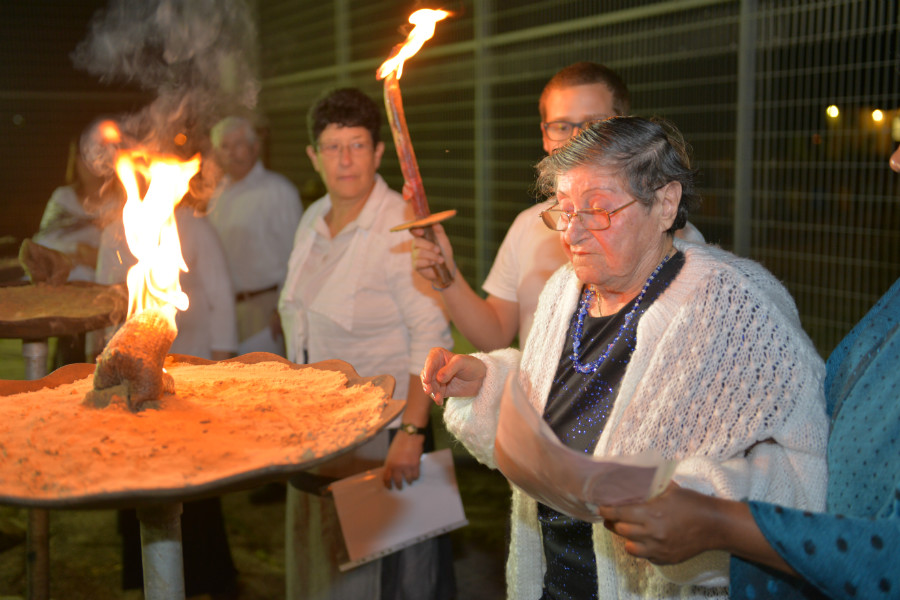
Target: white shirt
(528,256)
(66,224)
(256,218)
(209,322)
(355,297)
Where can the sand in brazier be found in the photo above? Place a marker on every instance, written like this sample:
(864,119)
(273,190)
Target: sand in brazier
(225,419)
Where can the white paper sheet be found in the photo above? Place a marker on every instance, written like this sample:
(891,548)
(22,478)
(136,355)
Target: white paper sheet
(530,455)
(377,521)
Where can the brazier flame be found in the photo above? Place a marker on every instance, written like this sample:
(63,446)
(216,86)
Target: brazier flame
(151,231)
(131,365)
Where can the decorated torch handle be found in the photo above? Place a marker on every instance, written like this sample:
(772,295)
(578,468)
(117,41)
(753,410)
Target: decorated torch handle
(393,104)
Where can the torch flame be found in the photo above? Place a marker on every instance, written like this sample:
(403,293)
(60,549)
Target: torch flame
(424,21)
(150,228)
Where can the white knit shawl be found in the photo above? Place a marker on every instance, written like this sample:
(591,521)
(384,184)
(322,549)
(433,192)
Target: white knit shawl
(722,378)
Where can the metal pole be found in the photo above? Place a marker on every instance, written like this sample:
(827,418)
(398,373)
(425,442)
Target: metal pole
(483,148)
(743,155)
(37,554)
(342,41)
(35,353)
(37,540)
(161,551)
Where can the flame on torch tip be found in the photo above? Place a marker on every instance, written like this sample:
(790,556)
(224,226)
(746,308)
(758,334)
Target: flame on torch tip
(424,21)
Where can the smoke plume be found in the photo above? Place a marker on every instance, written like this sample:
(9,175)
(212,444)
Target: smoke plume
(197,56)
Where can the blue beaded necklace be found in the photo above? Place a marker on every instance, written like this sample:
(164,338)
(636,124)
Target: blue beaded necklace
(578,334)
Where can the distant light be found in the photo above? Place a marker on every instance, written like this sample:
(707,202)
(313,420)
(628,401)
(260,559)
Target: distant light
(180,139)
(109,132)
(877,115)
(832,111)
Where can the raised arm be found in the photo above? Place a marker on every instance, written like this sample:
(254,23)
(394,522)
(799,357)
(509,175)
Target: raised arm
(488,323)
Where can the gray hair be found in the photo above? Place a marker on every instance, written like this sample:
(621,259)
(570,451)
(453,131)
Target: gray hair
(646,154)
(229,124)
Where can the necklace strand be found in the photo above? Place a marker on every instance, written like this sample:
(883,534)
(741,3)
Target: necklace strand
(578,334)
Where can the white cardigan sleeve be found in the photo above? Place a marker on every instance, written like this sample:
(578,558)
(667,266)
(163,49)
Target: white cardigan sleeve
(473,420)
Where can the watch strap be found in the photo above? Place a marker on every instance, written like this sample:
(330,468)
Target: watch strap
(411,429)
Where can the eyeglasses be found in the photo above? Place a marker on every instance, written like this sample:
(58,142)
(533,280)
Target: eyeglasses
(334,149)
(593,219)
(560,131)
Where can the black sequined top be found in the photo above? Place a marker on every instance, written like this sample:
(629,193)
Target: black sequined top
(577,410)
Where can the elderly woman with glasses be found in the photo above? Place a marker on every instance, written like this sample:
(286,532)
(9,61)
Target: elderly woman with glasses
(847,551)
(644,342)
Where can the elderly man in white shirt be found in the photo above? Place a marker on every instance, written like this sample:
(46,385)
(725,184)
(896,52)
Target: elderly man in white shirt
(255,212)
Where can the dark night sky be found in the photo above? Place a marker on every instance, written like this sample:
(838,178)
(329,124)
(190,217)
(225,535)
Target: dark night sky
(44,102)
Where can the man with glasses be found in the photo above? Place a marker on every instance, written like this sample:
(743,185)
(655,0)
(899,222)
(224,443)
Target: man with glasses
(573,98)
(255,212)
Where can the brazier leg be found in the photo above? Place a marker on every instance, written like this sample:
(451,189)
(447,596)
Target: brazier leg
(161,551)
(37,545)
(37,553)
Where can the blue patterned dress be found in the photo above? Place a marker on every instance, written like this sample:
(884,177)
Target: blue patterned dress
(852,550)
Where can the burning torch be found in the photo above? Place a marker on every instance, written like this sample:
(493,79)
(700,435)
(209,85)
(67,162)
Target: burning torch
(390,71)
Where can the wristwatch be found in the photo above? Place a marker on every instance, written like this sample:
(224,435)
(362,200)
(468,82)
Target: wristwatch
(411,429)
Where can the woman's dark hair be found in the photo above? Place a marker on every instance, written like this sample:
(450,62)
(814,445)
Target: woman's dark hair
(647,154)
(347,107)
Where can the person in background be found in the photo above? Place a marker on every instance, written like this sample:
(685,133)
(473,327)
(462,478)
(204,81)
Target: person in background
(255,212)
(847,551)
(351,295)
(72,221)
(208,328)
(575,96)
(644,342)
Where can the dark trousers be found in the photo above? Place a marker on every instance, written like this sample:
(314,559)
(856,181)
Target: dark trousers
(393,563)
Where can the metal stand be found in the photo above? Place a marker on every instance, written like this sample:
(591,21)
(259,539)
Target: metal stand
(37,554)
(161,551)
(37,544)
(160,523)
(35,353)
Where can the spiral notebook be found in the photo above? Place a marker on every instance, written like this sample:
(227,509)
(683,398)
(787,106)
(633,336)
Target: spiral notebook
(377,521)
